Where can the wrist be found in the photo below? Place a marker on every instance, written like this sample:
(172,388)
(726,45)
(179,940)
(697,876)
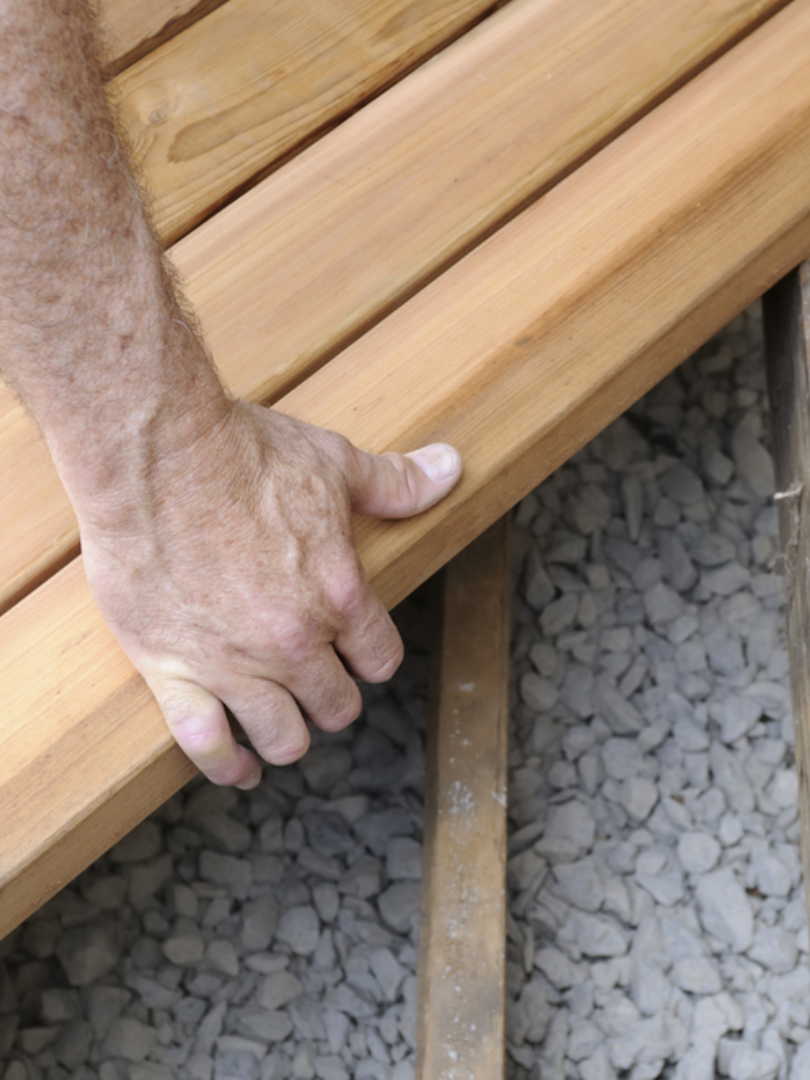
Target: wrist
(113,456)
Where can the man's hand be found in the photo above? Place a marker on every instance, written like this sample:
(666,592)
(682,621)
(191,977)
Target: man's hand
(217,535)
(237,584)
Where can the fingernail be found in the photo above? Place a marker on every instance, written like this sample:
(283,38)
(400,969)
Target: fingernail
(250,782)
(438,461)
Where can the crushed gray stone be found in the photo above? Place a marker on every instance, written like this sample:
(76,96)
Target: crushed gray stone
(657,924)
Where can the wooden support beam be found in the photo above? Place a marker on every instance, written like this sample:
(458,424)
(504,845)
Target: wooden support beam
(337,238)
(518,355)
(462,944)
(787,339)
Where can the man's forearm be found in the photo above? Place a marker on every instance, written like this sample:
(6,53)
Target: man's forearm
(87,315)
(216,535)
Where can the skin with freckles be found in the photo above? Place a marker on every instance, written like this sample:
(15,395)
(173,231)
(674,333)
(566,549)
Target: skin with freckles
(216,534)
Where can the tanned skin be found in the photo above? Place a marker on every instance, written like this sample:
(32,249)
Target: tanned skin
(216,534)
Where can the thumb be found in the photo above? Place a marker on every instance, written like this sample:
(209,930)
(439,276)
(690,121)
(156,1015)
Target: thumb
(400,485)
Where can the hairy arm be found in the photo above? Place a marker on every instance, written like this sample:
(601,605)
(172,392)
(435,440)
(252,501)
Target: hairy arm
(216,534)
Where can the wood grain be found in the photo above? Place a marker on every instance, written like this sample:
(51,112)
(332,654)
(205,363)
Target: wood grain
(787,337)
(238,92)
(519,354)
(135,27)
(326,246)
(462,943)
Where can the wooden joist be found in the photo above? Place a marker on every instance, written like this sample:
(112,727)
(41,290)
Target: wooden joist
(462,943)
(518,355)
(347,231)
(787,339)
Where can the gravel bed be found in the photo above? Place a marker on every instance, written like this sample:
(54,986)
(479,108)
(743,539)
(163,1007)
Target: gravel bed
(657,921)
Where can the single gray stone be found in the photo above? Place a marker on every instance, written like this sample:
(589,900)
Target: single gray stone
(129,1039)
(559,615)
(105,1004)
(236,1065)
(404,859)
(377,828)
(326,900)
(730,778)
(677,567)
(621,716)
(800,1066)
(362,880)
(595,936)
(662,605)
(698,852)
(399,905)
(278,990)
(236,875)
(328,833)
(538,693)
(769,875)
(72,1047)
(186,946)
(259,922)
(775,948)
(271,836)
(650,990)
(682,485)
(621,758)
(57,1006)
(323,766)
(354,1003)
(754,463)
(299,928)
(556,967)
(724,909)
(689,736)
(638,796)
(712,549)
(221,956)
(580,885)
(697,975)
(538,587)
(148,878)
(748,1063)
(598,1066)
(86,953)
(726,580)
(569,826)
(224,833)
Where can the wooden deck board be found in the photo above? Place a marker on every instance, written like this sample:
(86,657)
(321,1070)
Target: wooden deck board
(518,354)
(258,79)
(462,943)
(326,246)
(135,28)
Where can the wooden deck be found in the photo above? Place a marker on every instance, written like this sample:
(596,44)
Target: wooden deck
(551,207)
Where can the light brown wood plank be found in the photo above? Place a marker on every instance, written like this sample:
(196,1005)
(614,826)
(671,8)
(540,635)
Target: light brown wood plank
(135,27)
(518,355)
(344,233)
(787,337)
(462,944)
(239,91)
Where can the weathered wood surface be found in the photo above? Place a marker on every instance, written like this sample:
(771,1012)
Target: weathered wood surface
(462,944)
(518,355)
(787,338)
(258,79)
(330,243)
